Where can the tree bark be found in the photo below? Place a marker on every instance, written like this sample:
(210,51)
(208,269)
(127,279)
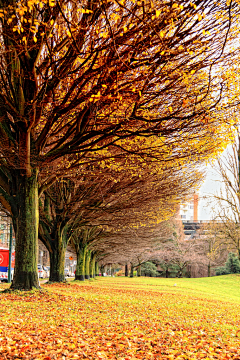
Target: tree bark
(81,259)
(26,232)
(54,233)
(131,271)
(139,270)
(87,263)
(102,269)
(57,259)
(96,269)
(126,270)
(209,269)
(179,274)
(92,266)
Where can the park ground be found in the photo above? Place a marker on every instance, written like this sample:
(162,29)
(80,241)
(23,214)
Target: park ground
(123,318)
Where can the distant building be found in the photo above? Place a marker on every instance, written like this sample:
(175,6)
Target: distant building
(5,230)
(189,210)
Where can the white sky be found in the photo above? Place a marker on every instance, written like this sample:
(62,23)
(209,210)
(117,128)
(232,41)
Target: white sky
(210,186)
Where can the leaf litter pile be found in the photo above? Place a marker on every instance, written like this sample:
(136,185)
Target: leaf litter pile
(95,320)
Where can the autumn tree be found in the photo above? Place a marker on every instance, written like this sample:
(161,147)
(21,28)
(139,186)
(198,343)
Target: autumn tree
(133,246)
(212,244)
(226,203)
(181,254)
(167,267)
(149,269)
(140,257)
(177,252)
(232,265)
(83,240)
(81,78)
(57,218)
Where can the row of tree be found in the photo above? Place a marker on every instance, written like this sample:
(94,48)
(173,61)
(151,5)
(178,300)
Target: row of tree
(172,269)
(100,98)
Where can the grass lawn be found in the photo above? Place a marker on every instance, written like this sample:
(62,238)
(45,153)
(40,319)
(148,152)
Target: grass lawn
(123,318)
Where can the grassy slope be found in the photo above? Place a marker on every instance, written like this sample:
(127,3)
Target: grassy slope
(123,319)
(218,287)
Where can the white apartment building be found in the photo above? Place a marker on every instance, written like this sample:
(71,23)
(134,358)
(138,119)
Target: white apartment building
(189,210)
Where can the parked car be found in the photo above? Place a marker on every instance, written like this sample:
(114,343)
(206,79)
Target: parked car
(41,272)
(67,272)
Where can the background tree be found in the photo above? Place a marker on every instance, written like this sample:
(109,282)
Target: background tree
(149,269)
(181,255)
(167,266)
(126,270)
(134,245)
(226,208)
(55,223)
(178,252)
(140,257)
(212,244)
(82,239)
(232,265)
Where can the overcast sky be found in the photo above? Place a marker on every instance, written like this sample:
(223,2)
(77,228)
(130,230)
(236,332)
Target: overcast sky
(210,186)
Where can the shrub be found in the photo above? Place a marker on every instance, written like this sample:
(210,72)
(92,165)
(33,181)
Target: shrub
(221,270)
(149,269)
(119,273)
(232,266)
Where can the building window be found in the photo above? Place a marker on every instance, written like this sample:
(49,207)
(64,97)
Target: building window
(183,216)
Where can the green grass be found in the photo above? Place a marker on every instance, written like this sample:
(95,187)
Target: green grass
(225,287)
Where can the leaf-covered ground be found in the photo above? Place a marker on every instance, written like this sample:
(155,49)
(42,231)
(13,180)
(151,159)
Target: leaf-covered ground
(119,319)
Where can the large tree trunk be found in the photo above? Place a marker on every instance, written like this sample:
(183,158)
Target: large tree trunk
(126,270)
(81,259)
(139,270)
(87,263)
(131,271)
(57,258)
(180,273)
(53,232)
(96,269)
(209,269)
(26,232)
(92,266)
(102,269)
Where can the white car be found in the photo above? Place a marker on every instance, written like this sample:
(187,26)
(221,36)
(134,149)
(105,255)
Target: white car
(67,272)
(41,272)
